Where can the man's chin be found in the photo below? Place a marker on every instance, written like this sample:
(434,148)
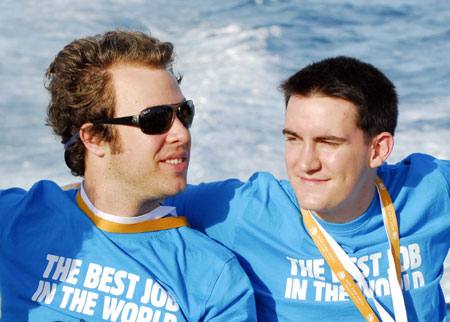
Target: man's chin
(309,202)
(177,189)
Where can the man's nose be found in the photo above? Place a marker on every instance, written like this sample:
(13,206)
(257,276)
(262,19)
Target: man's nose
(309,159)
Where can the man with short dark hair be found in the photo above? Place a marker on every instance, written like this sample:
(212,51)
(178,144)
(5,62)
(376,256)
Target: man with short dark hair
(348,237)
(109,251)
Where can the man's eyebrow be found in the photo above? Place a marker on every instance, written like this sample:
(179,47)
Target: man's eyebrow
(330,138)
(289,132)
(319,138)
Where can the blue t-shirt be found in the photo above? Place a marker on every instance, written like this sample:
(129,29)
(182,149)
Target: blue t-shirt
(261,222)
(56,265)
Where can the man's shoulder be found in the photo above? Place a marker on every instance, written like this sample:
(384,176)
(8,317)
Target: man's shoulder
(42,189)
(42,194)
(258,182)
(419,163)
(415,170)
(38,185)
(42,204)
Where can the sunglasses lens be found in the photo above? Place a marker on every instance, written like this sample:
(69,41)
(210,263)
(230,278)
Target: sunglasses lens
(156,120)
(185,113)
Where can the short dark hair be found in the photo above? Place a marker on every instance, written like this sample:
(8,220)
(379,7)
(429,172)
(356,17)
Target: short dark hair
(348,78)
(80,83)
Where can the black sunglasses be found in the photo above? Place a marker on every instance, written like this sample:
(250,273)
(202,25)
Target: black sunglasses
(157,119)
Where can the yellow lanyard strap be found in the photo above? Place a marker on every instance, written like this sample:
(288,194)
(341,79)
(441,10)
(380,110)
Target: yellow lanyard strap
(338,269)
(390,219)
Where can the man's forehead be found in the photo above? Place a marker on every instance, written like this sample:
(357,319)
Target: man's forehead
(321,108)
(142,86)
(320,117)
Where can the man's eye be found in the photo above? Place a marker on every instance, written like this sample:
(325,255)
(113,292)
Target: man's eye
(330,143)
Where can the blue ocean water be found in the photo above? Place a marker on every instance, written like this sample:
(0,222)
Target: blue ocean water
(233,54)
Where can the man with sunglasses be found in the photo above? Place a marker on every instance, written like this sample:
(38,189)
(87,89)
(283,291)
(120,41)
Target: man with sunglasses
(109,250)
(348,237)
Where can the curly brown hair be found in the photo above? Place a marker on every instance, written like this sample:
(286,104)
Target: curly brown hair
(79,82)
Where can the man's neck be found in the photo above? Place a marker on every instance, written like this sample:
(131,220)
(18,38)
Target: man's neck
(117,201)
(342,215)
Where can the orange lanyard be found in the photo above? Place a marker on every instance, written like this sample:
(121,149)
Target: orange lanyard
(354,292)
(391,226)
(145,226)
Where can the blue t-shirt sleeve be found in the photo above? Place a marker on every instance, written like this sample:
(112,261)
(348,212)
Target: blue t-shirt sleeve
(219,208)
(232,297)
(206,204)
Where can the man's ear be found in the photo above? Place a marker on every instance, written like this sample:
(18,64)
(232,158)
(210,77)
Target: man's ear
(382,146)
(91,140)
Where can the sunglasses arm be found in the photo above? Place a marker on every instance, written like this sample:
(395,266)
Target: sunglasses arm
(126,120)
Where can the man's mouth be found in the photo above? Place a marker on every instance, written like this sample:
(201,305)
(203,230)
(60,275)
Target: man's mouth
(313,180)
(174,161)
